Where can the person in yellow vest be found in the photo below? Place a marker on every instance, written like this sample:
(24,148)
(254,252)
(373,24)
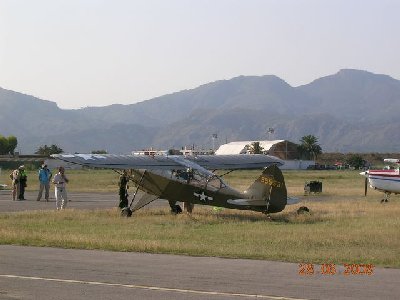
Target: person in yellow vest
(23,178)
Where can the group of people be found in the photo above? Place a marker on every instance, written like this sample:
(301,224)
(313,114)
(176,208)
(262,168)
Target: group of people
(19,183)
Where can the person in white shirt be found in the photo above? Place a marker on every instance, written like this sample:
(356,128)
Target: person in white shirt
(60,181)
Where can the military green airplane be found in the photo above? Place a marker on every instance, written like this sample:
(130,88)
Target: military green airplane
(188,179)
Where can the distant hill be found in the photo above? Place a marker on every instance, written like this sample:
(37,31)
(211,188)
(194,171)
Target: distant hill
(350,111)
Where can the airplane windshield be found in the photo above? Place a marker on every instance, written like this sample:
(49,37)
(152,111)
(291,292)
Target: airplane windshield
(191,165)
(196,175)
(196,178)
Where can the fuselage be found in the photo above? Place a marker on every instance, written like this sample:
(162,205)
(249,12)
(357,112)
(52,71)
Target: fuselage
(384,180)
(211,191)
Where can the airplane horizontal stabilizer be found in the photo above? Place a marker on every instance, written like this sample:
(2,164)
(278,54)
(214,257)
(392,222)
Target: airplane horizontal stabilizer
(245,202)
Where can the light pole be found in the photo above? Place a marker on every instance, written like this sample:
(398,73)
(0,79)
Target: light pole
(270,132)
(214,136)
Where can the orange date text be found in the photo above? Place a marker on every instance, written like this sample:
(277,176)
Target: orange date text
(332,269)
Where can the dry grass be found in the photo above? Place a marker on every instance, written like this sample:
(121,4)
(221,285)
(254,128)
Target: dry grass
(343,226)
(335,232)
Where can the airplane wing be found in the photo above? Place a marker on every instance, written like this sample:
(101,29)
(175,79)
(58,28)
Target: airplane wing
(122,162)
(160,162)
(235,162)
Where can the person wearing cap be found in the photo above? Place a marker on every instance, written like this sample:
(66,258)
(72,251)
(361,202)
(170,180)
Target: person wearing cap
(44,181)
(23,178)
(15,184)
(60,181)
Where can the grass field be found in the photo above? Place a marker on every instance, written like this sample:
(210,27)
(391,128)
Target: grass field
(343,226)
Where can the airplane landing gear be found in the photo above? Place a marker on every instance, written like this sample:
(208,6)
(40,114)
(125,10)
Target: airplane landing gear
(188,207)
(126,212)
(386,198)
(175,209)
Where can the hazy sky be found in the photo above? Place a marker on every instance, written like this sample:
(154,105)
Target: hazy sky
(82,53)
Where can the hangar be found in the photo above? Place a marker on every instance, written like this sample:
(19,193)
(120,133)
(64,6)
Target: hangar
(285,150)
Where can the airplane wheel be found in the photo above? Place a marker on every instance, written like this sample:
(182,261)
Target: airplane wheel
(176,210)
(302,210)
(126,212)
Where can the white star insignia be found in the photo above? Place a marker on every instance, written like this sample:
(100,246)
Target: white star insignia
(203,197)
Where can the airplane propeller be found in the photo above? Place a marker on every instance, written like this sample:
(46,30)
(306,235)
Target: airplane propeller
(365,173)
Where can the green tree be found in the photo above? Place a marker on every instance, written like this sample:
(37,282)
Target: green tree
(309,147)
(255,148)
(356,161)
(3,145)
(47,151)
(12,144)
(8,144)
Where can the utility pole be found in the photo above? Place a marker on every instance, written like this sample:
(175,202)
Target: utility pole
(214,136)
(270,132)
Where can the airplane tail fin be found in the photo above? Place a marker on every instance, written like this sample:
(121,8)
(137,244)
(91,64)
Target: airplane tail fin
(270,187)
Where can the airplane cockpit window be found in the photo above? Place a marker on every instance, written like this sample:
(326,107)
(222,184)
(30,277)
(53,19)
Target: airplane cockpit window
(215,183)
(196,175)
(197,178)
(184,175)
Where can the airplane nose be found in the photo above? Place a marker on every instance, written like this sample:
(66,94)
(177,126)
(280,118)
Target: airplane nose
(365,173)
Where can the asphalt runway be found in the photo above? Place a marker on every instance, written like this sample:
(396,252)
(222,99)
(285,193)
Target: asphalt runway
(77,201)
(51,273)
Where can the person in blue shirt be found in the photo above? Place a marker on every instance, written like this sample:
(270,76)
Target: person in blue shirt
(44,180)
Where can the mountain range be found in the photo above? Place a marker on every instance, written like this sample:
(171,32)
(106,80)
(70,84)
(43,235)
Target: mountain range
(350,111)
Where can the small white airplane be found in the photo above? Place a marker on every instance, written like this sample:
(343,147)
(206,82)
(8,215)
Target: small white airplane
(3,186)
(386,180)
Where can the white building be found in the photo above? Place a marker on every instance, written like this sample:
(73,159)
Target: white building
(282,149)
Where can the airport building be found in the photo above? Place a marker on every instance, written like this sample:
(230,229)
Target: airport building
(283,149)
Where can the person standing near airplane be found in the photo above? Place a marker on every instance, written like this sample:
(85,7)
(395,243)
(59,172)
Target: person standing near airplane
(60,181)
(44,180)
(15,184)
(23,178)
(123,189)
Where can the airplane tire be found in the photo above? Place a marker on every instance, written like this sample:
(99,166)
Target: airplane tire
(126,212)
(176,210)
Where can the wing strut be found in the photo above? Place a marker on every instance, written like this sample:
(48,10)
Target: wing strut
(137,188)
(127,211)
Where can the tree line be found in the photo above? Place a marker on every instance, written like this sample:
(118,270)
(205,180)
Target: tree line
(308,148)
(8,144)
